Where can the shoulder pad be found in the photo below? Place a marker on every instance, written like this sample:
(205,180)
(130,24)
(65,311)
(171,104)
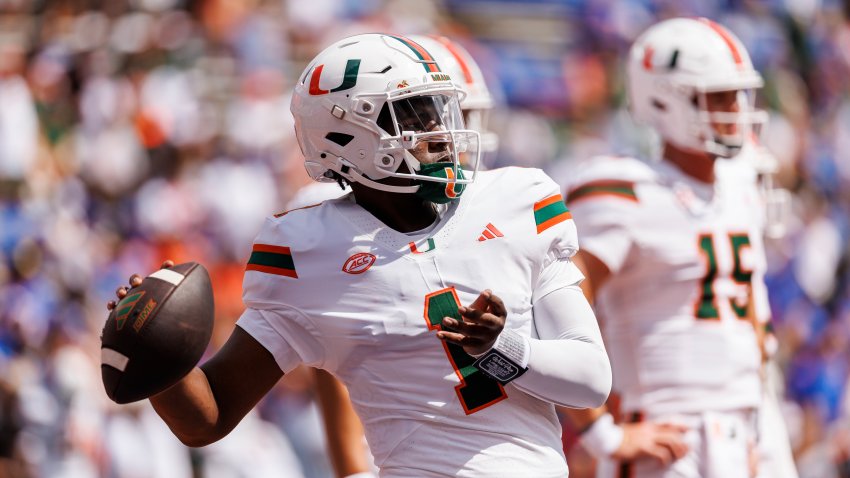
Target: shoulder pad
(609,176)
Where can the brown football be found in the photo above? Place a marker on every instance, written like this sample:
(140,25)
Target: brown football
(157,333)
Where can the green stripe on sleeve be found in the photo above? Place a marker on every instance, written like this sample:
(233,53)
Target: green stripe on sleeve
(271,259)
(545,213)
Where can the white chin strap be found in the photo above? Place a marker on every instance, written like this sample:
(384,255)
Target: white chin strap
(356,177)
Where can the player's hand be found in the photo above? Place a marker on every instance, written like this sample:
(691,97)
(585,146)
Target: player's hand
(662,442)
(135,281)
(483,321)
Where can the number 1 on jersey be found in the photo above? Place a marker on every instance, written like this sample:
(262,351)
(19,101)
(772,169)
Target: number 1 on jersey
(476,391)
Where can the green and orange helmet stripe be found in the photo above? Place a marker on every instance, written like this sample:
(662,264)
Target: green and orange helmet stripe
(428,60)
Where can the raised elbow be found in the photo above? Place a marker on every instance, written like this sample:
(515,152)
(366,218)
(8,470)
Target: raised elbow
(198,436)
(196,441)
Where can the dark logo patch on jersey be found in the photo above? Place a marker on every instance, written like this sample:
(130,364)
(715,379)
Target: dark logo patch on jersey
(359,263)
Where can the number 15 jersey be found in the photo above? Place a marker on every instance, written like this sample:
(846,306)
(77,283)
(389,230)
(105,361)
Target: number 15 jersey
(332,287)
(684,257)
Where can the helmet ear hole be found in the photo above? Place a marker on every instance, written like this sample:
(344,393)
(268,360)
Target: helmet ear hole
(341,139)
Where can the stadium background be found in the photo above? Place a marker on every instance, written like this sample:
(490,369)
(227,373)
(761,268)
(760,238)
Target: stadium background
(137,130)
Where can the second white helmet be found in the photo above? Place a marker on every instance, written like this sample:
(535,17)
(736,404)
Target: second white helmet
(673,66)
(465,72)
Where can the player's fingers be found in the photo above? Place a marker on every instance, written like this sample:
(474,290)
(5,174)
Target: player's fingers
(167,264)
(674,443)
(121,292)
(466,328)
(482,300)
(480,317)
(661,454)
(471,314)
(497,307)
(135,280)
(452,337)
(110,305)
(673,427)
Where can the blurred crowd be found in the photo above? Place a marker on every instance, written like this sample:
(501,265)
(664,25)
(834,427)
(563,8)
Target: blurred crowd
(132,131)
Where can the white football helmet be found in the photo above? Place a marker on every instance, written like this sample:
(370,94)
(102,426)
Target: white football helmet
(375,106)
(671,68)
(453,58)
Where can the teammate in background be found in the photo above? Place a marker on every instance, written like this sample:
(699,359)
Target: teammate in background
(448,305)
(674,261)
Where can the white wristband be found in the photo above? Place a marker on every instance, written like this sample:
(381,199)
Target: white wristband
(507,359)
(363,474)
(514,345)
(603,437)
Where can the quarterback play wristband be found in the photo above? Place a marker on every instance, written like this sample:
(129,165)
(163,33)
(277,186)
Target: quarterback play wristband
(507,359)
(603,437)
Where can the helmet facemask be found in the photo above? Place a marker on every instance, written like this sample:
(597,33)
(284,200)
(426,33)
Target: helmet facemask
(726,119)
(423,139)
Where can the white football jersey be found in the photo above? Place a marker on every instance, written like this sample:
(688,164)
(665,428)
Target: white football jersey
(683,257)
(332,287)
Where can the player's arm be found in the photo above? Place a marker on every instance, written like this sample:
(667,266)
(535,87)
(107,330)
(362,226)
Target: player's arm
(598,432)
(567,365)
(210,400)
(343,429)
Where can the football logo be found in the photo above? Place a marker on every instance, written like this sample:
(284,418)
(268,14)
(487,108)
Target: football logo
(359,263)
(143,315)
(123,309)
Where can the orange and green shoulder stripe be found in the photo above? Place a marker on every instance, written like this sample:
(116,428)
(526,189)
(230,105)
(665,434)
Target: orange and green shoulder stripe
(603,188)
(550,211)
(271,259)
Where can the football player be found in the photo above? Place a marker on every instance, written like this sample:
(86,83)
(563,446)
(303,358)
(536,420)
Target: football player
(444,299)
(348,454)
(673,255)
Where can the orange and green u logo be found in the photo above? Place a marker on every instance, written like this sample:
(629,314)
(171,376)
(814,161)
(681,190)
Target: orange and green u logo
(450,187)
(349,79)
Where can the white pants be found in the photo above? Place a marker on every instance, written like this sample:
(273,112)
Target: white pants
(775,457)
(720,446)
